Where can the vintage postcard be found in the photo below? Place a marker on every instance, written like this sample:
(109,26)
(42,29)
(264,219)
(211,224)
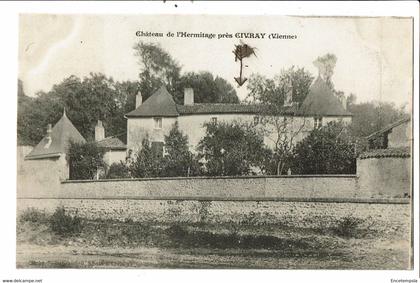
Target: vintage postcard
(205,141)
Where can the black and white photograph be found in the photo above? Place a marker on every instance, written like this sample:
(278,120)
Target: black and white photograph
(213,141)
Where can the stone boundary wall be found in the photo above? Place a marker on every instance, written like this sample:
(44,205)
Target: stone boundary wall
(386,218)
(215,188)
(385,176)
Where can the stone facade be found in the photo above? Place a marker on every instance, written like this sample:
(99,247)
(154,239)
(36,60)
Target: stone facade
(155,117)
(193,127)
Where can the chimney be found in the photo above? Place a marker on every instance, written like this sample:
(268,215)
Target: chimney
(139,99)
(188,96)
(99,131)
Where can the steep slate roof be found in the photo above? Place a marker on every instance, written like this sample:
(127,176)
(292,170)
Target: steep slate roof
(396,152)
(388,128)
(217,108)
(227,108)
(62,132)
(112,143)
(321,101)
(160,103)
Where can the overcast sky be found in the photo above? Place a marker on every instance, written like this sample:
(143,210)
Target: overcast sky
(374,54)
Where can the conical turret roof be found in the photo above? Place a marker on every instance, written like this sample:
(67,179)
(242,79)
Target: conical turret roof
(321,101)
(56,142)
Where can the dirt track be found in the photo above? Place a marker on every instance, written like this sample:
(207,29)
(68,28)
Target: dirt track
(357,255)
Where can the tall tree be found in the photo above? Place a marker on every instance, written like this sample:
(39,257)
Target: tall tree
(272,92)
(369,117)
(326,65)
(26,128)
(178,160)
(146,163)
(281,130)
(207,89)
(157,68)
(85,100)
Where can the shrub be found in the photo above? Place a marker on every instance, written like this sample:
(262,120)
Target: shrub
(147,162)
(348,227)
(179,161)
(64,224)
(85,159)
(118,171)
(33,215)
(328,150)
(232,148)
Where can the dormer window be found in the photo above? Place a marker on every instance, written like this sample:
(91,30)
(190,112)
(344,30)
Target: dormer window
(317,122)
(158,122)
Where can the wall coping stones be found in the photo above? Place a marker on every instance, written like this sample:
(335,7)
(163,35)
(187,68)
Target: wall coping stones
(210,177)
(245,199)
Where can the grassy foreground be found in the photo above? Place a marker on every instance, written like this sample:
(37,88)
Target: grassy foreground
(61,241)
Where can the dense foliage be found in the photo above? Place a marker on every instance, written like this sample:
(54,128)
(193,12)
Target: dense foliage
(117,171)
(85,160)
(327,150)
(85,100)
(159,68)
(178,160)
(98,97)
(146,163)
(207,89)
(272,91)
(64,224)
(369,117)
(232,149)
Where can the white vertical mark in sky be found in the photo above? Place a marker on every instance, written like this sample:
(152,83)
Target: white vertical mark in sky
(55,48)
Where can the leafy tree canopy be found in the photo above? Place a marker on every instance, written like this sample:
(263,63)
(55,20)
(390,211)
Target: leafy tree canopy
(158,68)
(232,148)
(178,160)
(327,150)
(85,100)
(85,159)
(326,65)
(147,162)
(272,92)
(207,89)
(369,117)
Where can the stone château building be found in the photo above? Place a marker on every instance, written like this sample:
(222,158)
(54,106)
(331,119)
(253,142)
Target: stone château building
(155,117)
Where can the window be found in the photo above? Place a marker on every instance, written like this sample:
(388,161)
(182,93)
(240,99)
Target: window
(158,123)
(214,120)
(317,122)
